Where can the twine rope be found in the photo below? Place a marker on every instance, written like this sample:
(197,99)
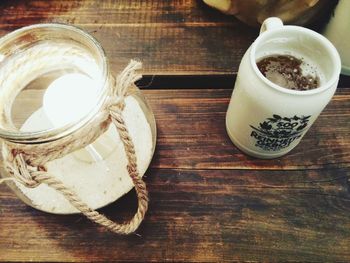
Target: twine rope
(29,169)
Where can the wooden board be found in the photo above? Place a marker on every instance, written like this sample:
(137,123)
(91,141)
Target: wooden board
(180,37)
(183,38)
(209,202)
(192,134)
(199,215)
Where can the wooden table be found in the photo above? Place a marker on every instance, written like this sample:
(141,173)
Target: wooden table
(209,202)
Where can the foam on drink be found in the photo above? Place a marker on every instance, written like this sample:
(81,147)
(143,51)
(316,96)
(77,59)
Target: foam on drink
(289,72)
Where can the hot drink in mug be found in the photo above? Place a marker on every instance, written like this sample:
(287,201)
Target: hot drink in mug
(285,79)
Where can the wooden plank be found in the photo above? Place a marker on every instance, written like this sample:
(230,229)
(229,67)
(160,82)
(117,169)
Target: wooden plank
(198,215)
(183,37)
(209,202)
(180,37)
(192,134)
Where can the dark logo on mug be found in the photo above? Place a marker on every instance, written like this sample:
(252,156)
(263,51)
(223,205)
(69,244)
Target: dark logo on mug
(279,132)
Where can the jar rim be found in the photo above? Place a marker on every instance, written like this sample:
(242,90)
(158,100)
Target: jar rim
(54,134)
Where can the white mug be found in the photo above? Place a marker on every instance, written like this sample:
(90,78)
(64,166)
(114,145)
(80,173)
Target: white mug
(338,30)
(265,120)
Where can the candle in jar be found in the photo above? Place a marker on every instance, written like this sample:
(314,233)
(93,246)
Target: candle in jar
(96,183)
(68,99)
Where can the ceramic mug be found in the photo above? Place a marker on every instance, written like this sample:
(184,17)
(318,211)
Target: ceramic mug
(265,120)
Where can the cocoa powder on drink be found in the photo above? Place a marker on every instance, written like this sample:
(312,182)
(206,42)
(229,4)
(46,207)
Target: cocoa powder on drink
(286,71)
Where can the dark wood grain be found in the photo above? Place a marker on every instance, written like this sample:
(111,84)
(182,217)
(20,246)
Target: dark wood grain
(180,37)
(192,134)
(199,215)
(209,202)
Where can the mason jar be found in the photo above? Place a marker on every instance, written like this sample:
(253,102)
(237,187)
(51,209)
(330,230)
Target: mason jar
(55,81)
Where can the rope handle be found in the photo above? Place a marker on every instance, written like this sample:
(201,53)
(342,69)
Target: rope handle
(31,176)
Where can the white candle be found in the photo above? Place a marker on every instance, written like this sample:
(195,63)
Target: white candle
(69,98)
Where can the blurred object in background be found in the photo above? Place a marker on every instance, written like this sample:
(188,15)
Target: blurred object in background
(338,32)
(254,12)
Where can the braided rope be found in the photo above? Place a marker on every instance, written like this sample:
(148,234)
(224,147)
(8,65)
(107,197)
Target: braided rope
(29,171)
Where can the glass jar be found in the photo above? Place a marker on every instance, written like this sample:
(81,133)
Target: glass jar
(54,81)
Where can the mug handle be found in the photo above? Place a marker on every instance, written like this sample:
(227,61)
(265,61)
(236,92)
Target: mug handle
(270,24)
